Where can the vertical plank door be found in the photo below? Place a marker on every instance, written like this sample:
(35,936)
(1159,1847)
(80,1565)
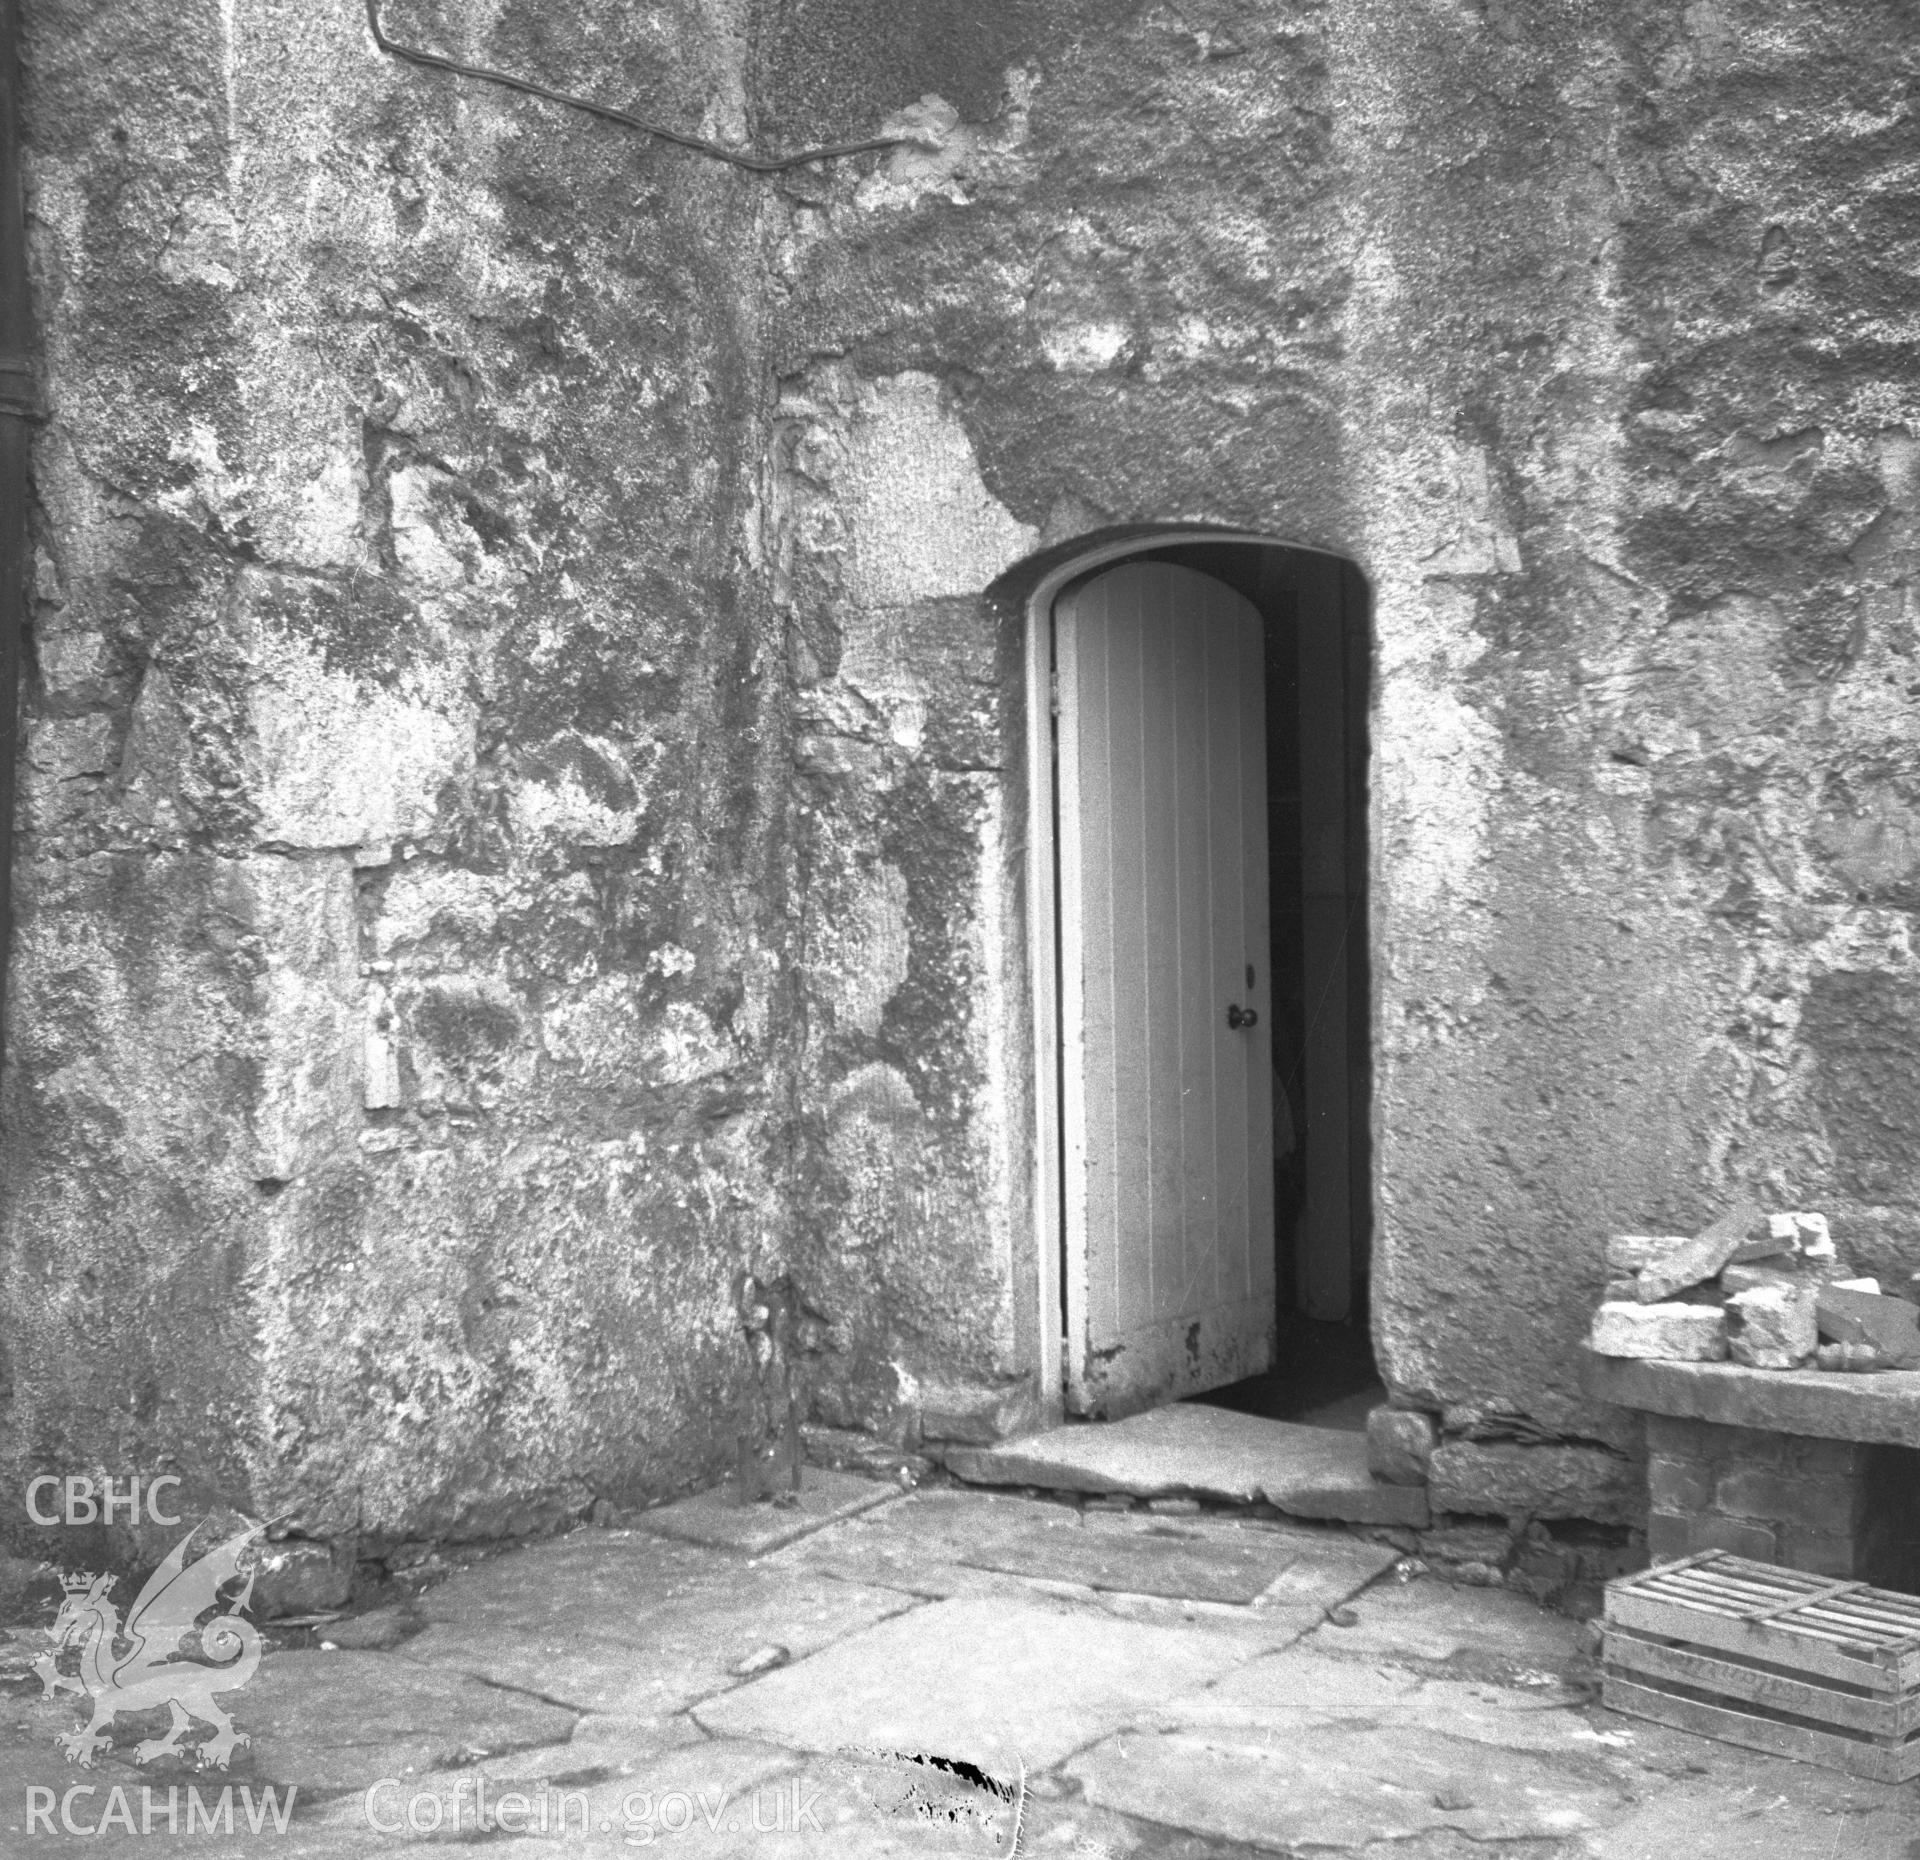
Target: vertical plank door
(1166,1086)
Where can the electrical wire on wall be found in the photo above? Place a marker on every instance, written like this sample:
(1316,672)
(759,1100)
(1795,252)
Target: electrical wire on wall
(757,164)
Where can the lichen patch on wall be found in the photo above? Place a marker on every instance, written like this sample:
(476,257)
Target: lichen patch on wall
(337,761)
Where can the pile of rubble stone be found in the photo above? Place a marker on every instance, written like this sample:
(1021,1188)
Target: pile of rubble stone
(1769,1291)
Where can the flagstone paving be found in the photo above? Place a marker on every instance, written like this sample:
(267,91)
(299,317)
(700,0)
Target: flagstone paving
(1168,1560)
(980,1680)
(630,1623)
(1334,1784)
(1195,1687)
(1483,1630)
(944,1543)
(719,1519)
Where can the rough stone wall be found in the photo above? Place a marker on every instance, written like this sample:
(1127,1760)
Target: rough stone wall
(1586,331)
(1771,504)
(395,987)
(524,792)
(1683,721)
(910,1173)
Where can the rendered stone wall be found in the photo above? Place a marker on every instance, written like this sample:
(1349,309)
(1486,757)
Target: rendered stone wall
(397,978)
(1587,334)
(524,798)
(911,1168)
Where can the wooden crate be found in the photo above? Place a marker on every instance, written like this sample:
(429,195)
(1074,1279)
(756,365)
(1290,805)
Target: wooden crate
(1801,1666)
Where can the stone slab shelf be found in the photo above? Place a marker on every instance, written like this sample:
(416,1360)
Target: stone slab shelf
(1880,1409)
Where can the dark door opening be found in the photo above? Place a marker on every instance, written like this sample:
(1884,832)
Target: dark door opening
(1318,673)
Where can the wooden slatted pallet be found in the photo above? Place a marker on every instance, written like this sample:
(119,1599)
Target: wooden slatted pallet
(1802,1666)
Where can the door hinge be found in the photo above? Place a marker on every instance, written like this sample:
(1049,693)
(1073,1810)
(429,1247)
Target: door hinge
(1053,693)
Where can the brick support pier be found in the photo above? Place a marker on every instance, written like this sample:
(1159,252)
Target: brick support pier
(1799,1492)
(1783,1498)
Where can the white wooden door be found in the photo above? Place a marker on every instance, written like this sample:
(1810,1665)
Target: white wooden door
(1166,1080)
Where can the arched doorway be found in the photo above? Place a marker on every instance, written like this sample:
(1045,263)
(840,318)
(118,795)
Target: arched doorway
(1200,941)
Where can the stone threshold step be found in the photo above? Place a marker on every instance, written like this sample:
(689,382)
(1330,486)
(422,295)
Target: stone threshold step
(1188,1450)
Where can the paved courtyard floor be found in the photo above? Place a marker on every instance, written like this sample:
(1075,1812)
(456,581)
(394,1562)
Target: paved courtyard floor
(936,1673)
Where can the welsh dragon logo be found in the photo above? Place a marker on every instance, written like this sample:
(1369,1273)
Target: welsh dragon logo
(140,1665)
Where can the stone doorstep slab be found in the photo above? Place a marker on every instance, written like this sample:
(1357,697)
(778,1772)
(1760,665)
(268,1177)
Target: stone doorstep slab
(1881,1407)
(718,1519)
(1190,1450)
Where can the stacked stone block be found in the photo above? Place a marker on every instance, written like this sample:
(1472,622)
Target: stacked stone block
(1830,1507)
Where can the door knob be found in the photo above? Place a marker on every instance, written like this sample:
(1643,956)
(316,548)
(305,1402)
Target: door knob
(1238,1017)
